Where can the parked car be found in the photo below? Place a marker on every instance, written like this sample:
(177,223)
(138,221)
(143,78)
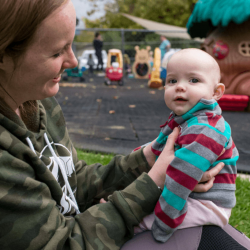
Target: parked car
(83,59)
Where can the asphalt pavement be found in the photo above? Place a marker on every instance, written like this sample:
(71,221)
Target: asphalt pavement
(117,119)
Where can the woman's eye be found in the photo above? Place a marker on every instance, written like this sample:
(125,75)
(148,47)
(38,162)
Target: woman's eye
(172,81)
(194,80)
(57,54)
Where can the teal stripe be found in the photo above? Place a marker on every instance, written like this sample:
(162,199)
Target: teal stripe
(193,158)
(162,138)
(198,107)
(173,199)
(192,121)
(231,161)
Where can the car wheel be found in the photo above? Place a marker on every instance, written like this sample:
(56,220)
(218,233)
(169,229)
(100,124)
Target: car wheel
(107,82)
(120,82)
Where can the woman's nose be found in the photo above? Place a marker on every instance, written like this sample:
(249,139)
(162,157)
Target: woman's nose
(71,61)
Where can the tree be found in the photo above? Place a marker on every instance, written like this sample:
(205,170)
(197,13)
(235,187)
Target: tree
(174,12)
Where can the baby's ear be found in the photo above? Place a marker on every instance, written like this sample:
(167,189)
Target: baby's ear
(219,91)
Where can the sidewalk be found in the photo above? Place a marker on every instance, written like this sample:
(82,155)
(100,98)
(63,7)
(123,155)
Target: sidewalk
(117,119)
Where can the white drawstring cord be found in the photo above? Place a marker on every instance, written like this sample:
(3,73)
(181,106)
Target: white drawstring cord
(73,203)
(30,144)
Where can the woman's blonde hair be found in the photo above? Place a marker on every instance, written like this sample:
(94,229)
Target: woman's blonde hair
(19,22)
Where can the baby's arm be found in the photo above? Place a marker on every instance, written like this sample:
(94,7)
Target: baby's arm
(198,151)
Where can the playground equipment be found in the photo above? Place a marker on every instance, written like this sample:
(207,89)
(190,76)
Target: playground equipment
(114,70)
(155,80)
(227,24)
(141,67)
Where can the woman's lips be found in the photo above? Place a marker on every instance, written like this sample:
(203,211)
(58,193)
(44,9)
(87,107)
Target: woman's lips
(57,79)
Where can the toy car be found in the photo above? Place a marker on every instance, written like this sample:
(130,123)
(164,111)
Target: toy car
(75,72)
(83,59)
(114,70)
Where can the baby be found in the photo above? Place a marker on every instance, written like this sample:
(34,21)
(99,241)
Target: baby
(191,91)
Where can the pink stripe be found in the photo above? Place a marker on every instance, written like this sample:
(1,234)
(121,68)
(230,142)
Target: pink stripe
(172,124)
(225,178)
(212,120)
(137,149)
(173,223)
(156,152)
(227,154)
(164,124)
(181,178)
(203,140)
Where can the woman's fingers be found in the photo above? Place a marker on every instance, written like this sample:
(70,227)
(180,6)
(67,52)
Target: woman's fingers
(204,187)
(209,175)
(222,152)
(171,140)
(102,201)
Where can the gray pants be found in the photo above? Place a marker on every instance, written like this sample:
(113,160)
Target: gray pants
(200,238)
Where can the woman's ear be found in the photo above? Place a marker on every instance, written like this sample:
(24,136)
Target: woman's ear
(219,91)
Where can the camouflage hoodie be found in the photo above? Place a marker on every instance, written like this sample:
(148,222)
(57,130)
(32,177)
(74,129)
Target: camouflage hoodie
(38,205)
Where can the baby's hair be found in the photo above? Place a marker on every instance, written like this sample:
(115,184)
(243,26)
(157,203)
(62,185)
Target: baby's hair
(214,62)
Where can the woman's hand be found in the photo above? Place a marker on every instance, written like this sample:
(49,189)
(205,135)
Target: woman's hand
(150,156)
(207,179)
(158,171)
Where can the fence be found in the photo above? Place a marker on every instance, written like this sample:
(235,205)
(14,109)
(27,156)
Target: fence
(127,39)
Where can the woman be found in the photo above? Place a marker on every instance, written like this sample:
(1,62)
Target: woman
(47,196)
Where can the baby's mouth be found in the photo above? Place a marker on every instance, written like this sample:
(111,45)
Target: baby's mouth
(180,99)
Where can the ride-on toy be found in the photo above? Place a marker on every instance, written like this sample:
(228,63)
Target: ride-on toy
(114,70)
(75,72)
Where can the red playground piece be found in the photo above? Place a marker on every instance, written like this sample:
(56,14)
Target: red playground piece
(234,102)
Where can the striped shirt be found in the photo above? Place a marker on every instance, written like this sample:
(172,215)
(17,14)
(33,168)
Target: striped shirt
(204,134)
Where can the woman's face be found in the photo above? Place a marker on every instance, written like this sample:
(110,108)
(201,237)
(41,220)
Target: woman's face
(39,70)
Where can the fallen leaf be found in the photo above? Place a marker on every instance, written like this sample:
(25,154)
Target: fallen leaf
(107,139)
(152,92)
(111,111)
(161,88)
(91,79)
(142,86)
(128,87)
(132,106)
(66,98)
(116,97)
(99,100)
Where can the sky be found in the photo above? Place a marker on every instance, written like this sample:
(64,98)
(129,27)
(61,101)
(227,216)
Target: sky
(83,6)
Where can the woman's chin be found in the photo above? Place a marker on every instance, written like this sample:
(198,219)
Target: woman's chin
(50,92)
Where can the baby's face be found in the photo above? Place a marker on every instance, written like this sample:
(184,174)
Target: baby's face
(191,75)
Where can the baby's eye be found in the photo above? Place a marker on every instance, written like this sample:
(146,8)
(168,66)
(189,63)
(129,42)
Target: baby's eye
(172,81)
(194,80)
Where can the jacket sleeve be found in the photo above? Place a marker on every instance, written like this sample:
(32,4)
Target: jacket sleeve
(30,219)
(200,147)
(97,181)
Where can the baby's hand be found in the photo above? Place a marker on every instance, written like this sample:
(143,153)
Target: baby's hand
(102,201)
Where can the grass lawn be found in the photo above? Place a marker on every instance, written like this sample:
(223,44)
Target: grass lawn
(240,217)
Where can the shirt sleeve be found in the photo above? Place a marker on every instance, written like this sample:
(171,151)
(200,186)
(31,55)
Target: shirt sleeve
(200,147)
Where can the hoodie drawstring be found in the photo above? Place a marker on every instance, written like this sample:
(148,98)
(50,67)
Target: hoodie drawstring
(72,199)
